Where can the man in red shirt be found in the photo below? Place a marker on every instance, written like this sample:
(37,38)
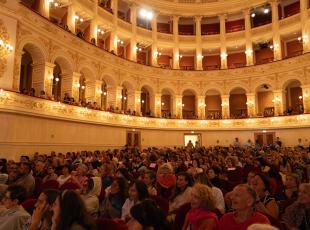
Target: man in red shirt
(243,201)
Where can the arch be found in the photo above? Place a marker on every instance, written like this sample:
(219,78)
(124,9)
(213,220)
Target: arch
(293,103)
(237,102)
(189,91)
(262,87)
(259,83)
(88,73)
(65,63)
(35,47)
(237,89)
(289,81)
(149,89)
(238,86)
(108,80)
(167,91)
(31,63)
(213,101)
(213,91)
(128,85)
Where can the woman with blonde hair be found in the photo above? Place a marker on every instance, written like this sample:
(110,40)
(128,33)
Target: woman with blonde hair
(201,215)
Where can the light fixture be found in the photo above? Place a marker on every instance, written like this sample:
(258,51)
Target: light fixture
(5,48)
(253,15)
(104,93)
(266,11)
(148,15)
(100,31)
(183,105)
(300,97)
(76,17)
(180,56)
(78,85)
(57,79)
(299,38)
(162,103)
(81,20)
(224,55)
(83,87)
(271,46)
(125,98)
(142,101)
(100,91)
(248,51)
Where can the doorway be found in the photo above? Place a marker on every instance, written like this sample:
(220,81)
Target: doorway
(193,138)
(265,138)
(133,139)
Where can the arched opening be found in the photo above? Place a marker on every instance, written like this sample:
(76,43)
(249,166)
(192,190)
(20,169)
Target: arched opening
(104,93)
(145,102)
(213,101)
(25,83)
(56,88)
(82,87)
(237,103)
(264,98)
(124,98)
(189,105)
(294,98)
(166,103)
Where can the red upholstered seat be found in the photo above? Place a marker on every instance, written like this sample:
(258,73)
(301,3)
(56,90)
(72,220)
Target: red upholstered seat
(28,205)
(113,224)
(162,203)
(180,216)
(50,184)
(69,186)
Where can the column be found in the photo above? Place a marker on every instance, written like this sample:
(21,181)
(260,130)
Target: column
(113,37)
(306,97)
(223,41)
(250,102)
(305,25)
(93,30)
(133,39)
(90,91)
(74,87)
(279,101)
(42,77)
(201,107)
(198,43)
(71,18)
(98,92)
(277,51)
(134,101)
(248,38)
(157,109)
(225,106)
(154,45)
(177,106)
(114,96)
(45,8)
(176,57)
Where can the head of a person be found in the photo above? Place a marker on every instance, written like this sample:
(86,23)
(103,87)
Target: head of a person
(82,170)
(24,168)
(46,200)
(261,227)
(147,215)
(138,191)
(203,178)
(149,178)
(261,183)
(66,170)
(250,177)
(14,196)
(196,163)
(292,181)
(230,162)
(119,186)
(243,197)
(304,194)
(202,197)
(40,166)
(184,180)
(213,172)
(68,209)
(88,186)
(50,170)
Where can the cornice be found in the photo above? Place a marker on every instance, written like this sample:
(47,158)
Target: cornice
(15,103)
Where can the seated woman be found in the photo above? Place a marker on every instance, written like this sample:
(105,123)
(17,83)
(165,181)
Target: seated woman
(90,199)
(112,205)
(182,192)
(166,180)
(149,180)
(42,215)
(69,213)
(80,176)
(202,178)
(201,216)
(137,193)
(297,215)
(147,215)
(65,175)
(265,203)
(51,175)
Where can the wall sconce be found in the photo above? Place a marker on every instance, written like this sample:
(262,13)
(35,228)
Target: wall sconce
(249,103)
(54,3)
(276,100)
(125,98)
(57,79)
(199,56)
(100,91)
(180,56)
(248,52)
(100,31)
(120,41)
(83,87)
(162,103)
(5,48)
(224,104)
(224,55)
(183,105)
(121,97)
(300,97)
(105,93)
(142,101)
(78,18)
(78,85)
(139,49)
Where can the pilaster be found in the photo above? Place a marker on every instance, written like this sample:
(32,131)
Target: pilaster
(277,51)
(98,92)
(225,106)
(45,8)
(157,110)
(42,77)
(201,111)
(178,106)
(223,41)
(248,38)
(251,104)
(305,25)
(306,97)
(71,18)
(279,101)
(198,43)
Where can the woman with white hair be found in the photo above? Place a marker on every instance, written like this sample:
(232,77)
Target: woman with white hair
(297,215)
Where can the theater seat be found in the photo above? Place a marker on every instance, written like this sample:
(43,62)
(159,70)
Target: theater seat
(28,205)
(69,186)
(180,216)
(50,184)
(113,224)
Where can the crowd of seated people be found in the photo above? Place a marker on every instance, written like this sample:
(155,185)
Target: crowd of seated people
(159,188)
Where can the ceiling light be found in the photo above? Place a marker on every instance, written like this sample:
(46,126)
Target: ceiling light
(253,15)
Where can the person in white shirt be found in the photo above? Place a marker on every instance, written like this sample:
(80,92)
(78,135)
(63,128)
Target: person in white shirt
(137,193)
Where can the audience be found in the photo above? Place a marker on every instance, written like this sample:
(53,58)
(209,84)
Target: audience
(174,178)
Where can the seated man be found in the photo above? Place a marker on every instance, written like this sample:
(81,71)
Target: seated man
(15,218)
(243,201)
(26,179)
